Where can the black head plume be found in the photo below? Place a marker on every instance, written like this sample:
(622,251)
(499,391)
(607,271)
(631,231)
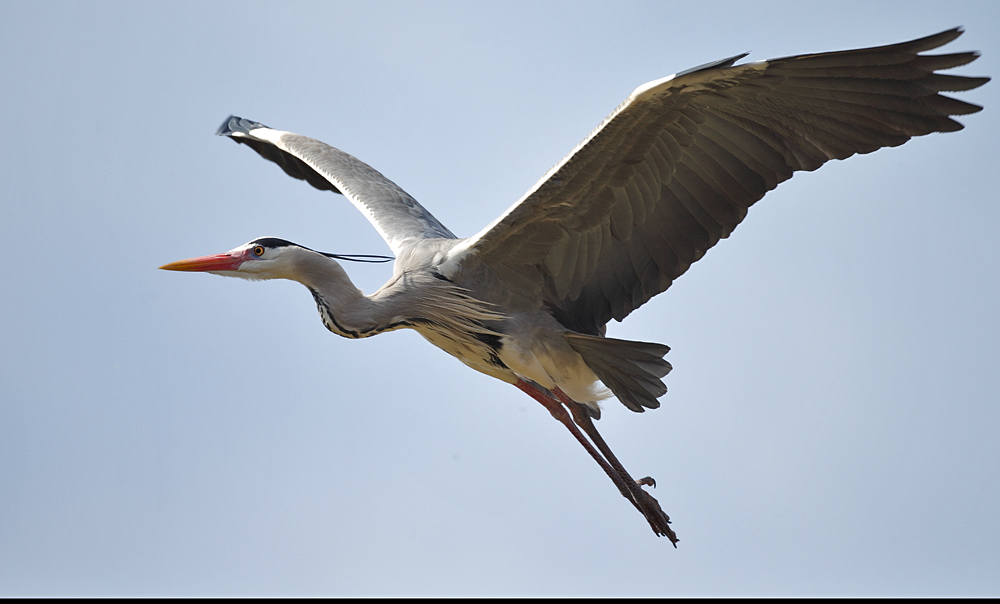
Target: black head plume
(274,242)
(359,257)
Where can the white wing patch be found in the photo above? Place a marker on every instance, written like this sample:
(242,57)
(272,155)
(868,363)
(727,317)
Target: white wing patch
(397,217)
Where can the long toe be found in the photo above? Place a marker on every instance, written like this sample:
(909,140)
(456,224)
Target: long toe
(657,518)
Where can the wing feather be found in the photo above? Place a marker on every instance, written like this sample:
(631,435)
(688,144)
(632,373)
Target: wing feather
(397,217)
(676,166)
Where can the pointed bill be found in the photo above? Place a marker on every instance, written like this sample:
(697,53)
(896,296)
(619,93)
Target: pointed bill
(218,262)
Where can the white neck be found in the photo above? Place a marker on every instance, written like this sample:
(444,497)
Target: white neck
(344,308)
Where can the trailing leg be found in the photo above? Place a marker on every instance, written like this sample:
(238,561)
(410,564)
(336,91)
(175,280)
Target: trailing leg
(629,488)
(646,503)
(556,409)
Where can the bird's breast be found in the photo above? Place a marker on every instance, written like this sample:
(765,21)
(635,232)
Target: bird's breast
(479,350)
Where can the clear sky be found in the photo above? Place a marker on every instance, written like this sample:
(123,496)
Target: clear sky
(832,422)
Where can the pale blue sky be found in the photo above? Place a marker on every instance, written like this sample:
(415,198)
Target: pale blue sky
(832,420)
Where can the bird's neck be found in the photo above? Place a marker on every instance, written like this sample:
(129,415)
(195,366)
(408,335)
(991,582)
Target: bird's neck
(344,309)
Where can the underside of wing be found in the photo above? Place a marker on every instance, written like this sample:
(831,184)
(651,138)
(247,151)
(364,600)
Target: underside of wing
(397,216)
(674,169)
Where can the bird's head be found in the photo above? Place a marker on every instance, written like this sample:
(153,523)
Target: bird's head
(264,258)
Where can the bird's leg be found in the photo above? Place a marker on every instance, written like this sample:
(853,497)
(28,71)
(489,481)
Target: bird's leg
(556,409)
(630,489)
(582,419)
(646,503)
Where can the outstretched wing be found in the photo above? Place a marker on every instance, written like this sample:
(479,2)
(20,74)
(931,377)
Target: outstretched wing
(674,168)
(397,216)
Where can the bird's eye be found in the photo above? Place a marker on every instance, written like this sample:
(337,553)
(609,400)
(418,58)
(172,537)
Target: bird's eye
(258,251)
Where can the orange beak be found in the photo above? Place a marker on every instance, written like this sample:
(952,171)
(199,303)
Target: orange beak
(218,262)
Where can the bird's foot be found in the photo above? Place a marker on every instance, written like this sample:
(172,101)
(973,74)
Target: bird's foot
(655,516)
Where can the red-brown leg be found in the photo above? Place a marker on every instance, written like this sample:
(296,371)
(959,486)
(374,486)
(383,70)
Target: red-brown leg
(646,503)
(558,412)
(630,489)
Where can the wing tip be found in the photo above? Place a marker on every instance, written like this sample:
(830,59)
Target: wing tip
(235,126)
(648,89)
(720,64)
(941,38)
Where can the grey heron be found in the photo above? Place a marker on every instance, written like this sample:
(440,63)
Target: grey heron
(670,172)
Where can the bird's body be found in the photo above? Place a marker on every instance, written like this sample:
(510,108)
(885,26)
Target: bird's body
(667,175)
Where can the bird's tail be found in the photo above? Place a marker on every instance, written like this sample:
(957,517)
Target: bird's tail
(632,370)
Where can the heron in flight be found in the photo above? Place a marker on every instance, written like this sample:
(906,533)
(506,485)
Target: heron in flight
(667,175)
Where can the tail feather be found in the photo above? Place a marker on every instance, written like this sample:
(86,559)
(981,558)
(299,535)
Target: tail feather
(632,370)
